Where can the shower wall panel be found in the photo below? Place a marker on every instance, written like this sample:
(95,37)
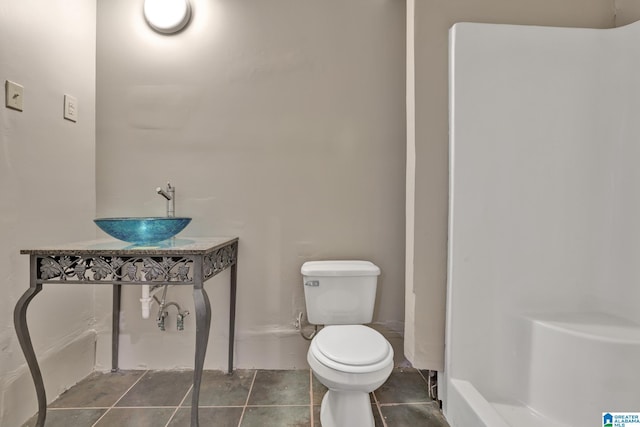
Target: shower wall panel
(544,214)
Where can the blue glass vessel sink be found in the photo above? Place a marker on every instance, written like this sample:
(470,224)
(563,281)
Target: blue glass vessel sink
(142,230)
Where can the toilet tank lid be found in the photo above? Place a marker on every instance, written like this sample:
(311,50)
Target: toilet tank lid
(340,268)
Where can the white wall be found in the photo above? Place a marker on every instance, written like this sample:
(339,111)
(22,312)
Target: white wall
(281,122)
(544,206)
(427,186)
(47,181)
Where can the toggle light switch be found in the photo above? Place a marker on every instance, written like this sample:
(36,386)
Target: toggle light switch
(13,94)
(70,108)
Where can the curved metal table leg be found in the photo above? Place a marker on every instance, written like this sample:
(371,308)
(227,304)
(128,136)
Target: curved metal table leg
(203,322)
(232,314)
(115,326)
(20,322)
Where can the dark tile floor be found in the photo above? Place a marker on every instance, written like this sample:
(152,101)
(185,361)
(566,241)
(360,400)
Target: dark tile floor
(248,398)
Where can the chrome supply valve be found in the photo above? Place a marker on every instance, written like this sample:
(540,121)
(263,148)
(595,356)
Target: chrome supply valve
(180,320)
(163,311)
(160,320)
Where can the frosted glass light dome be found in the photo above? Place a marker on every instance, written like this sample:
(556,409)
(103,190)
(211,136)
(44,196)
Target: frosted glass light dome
(167,16)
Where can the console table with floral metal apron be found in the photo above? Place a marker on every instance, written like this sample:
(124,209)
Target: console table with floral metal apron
(179,261)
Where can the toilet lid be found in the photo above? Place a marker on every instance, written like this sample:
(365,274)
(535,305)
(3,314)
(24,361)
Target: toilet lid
(355,345)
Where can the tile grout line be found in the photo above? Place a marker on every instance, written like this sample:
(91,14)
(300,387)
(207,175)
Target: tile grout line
(246,402)
(179,406)
(276,406)
(120,398)
(79,408)
(423,378)
(382,405)
(311,396)
(189,407)
(375,398)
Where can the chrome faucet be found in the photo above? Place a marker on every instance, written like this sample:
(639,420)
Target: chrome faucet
(170,195)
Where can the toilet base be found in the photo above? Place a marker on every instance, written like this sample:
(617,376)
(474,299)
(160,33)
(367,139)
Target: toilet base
(346,409)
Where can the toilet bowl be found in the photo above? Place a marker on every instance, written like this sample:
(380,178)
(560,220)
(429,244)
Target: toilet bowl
(351,361)
(349,358)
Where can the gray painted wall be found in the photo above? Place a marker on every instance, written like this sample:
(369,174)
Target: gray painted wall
(281,122)
(47,188)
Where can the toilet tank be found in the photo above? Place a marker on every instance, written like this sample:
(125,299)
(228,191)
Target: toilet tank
(339,292)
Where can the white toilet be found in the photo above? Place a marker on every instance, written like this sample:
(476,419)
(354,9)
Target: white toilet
(350,359)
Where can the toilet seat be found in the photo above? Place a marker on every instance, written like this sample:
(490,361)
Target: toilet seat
(351,348)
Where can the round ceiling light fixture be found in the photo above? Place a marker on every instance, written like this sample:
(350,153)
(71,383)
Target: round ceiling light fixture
(167,16)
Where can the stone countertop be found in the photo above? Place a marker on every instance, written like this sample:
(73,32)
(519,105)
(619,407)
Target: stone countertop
(110,247)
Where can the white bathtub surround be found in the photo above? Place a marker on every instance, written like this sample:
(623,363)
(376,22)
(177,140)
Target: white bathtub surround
(591,357)
(542,326)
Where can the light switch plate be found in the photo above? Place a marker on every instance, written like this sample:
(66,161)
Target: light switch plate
(70,108)
(13,94)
